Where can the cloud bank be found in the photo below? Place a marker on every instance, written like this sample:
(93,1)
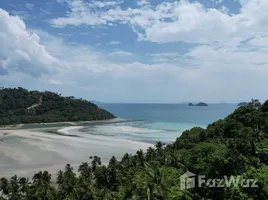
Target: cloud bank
(172,21)
(225,58)
(21,50)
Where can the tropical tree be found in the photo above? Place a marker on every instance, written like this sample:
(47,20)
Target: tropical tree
(4,187)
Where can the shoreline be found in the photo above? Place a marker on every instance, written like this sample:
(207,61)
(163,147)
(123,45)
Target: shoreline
(25,152)
(71,123)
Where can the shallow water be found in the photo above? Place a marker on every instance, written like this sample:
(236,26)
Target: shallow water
(160,122)
(139,131)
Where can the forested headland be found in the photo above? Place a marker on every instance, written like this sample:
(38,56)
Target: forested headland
(20,106)
(234,146)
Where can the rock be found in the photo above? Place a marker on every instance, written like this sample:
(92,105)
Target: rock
(201,104)
(198,104)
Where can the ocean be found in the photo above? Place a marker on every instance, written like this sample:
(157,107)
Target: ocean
(158,122)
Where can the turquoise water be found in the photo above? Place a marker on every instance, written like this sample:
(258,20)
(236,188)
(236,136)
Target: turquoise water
(160,122)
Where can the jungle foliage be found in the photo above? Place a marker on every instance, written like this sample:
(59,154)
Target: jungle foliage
(20,106)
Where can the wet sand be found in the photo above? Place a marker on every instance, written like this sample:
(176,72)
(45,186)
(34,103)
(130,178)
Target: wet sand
(25,152)
(65,124)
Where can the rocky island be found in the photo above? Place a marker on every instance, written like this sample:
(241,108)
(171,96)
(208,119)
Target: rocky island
(198,104)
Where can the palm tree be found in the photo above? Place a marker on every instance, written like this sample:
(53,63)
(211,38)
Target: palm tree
(85,172)
(140,156)
(4,188)
(14,188)
(101,177)
(151,184)
(24,184)
(125,162)
(37,178)
(112,174)
(127,192)
(69,187)
(95,161)
(42,188)
(173,159)
(160,156)
(159,146)
(60,178)
(46,178)
(150,154)
(158,182)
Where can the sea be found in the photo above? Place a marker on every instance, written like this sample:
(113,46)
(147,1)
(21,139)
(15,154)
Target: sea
(158,122)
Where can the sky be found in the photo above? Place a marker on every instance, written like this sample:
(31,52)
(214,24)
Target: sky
(161,51)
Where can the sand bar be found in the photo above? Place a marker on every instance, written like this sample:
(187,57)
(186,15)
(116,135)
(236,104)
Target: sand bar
(25,152)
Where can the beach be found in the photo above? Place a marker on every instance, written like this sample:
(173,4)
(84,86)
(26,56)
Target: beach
(26,151)
(68,123)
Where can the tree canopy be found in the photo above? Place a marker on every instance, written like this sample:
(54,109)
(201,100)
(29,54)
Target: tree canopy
(20,106)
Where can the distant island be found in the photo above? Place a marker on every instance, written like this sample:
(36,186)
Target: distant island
(198,104)
(242,104)
(20,106)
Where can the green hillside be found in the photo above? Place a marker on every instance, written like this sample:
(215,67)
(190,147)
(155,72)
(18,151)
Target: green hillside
(18,105)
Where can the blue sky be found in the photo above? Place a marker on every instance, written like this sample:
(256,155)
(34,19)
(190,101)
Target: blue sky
(137,51)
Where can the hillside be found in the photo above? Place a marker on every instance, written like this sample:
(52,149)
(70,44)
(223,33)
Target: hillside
(18,105)
(236,146)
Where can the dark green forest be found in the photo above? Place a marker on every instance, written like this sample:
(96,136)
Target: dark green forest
(20,106)
(236,145)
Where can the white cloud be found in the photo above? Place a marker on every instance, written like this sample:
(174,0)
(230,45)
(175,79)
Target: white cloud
(259,41)
(175,21)
(102,4)
(53,82)
(21,50)
(44,12)
(168,57)
(143,3)
(218,1)
(21,14)
(121,53)
(87,13)
(114,42)
(80,59)
(30,6)
(65,34)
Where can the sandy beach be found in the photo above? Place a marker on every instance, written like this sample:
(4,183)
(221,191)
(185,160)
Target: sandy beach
(25,152)
(70,123)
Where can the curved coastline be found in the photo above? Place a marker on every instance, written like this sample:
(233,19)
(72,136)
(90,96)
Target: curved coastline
(65,124)
(27,151)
